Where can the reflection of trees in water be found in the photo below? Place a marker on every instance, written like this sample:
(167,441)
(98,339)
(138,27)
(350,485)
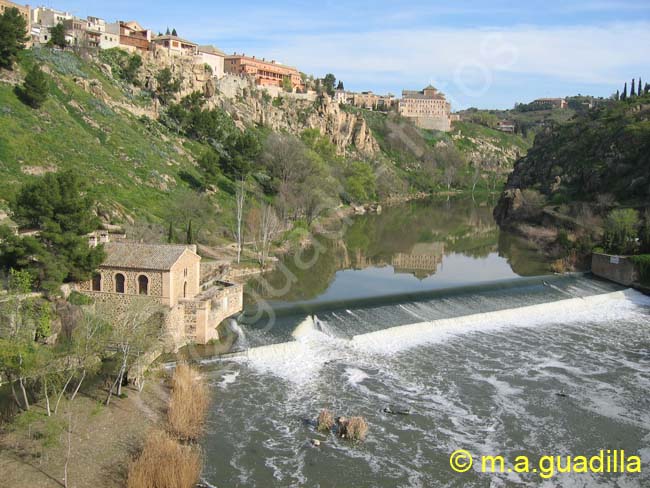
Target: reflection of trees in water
(521,257)
(412,237)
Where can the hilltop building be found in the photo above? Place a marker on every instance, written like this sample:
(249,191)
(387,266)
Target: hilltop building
(172,276)
(506,126)
(265,73)
(428,108)
(213,57)
(174,45)
(550,102)
(132,36)
(365,99)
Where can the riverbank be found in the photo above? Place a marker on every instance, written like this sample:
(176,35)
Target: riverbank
(33,447)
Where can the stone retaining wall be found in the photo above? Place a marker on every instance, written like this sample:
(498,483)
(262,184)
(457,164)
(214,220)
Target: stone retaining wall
(619,269)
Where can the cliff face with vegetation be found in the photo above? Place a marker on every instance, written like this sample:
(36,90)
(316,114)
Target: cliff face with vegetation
(110,120)
(562,193)
(603,156)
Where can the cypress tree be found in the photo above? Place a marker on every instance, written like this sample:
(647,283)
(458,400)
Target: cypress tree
(624,95)
(632,89)
(617,96)
(174,33)
(170,233)
(638,91)
(167,32)
(647,88)
(190,236)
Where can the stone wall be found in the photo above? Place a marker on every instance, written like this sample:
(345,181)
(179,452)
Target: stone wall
(155,287)
(618,269)
(186,270)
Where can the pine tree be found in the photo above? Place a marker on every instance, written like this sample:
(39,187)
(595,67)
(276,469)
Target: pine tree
(190,235)
(13,29)
(174,33)
(632,88)
(57,36)
(35,88)
(624,95)
(170,234)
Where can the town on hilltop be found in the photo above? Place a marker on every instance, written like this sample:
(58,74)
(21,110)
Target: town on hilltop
(428,108)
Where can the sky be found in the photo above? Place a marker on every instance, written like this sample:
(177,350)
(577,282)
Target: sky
(486,54)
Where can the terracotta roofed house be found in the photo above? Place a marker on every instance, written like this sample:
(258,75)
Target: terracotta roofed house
(265,73)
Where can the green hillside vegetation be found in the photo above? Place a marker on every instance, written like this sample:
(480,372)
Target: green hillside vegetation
(437,161)
(587,180)
(133,163)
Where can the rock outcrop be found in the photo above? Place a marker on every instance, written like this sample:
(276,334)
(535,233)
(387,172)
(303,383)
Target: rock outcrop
(248,104)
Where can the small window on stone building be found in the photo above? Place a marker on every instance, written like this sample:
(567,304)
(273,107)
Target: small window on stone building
(97,282)
(143,285)
(119,283)
(185,290)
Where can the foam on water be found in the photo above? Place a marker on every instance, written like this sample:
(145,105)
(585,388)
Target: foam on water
(607,306)
(315,344)
(487,382)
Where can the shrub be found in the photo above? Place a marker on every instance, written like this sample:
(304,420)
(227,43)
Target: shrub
(35,89)
(325,421)
(164,463)
(354,429)
(642,263)
(189,403)
(621,230)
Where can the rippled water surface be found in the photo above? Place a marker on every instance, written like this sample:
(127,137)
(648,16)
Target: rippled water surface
(552,365)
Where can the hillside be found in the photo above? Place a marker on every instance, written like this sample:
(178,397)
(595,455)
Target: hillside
(416,152)
(577,172)
(144,168)
(604,152)
(133,162)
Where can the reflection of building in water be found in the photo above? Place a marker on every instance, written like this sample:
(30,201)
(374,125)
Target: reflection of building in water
(422,261)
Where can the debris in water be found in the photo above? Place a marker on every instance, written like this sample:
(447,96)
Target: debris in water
(561,394)
(397,410)
(315,442)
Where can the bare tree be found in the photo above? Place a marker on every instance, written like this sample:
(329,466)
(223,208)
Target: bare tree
(240,195)
(263,224)
(476,177)
(134,330)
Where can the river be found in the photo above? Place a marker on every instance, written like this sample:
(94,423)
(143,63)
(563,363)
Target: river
(430,307)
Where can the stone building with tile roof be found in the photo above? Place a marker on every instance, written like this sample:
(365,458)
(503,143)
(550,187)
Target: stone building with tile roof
(170,275)
(428,108)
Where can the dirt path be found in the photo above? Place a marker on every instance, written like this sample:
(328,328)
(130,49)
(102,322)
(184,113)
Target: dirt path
(32,454)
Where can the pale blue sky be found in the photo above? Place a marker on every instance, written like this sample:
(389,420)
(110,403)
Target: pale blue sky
(480,53)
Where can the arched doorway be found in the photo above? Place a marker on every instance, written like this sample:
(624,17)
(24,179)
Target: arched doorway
(97,282)
(120,283)
(143,285)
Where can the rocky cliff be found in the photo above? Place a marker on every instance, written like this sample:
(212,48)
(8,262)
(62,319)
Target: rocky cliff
(248,104)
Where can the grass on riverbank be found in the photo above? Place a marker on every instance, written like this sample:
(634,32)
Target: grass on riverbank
(165,463)
(189,402)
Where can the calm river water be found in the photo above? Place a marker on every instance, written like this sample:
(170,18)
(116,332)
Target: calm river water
(428,306)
